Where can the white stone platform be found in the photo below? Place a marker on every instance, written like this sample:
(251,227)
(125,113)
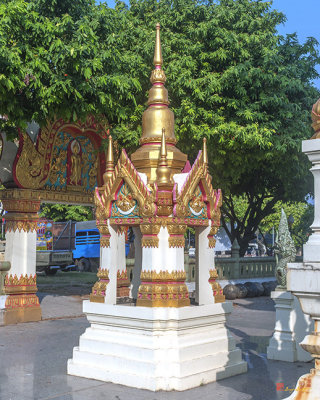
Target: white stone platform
(157,348)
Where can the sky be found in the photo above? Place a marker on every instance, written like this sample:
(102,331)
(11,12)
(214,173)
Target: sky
(303,17)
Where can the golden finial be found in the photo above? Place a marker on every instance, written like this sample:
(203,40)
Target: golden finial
(163,171)
(109,163)
(163,151)
(315,115)
(205,153)
(157,59)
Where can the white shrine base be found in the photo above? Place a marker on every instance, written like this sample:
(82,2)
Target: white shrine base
(157,348)
(291,326)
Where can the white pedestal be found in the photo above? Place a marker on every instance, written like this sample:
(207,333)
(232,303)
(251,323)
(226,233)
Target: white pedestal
(292,325)
(157,348)
(204,263)
(21,252)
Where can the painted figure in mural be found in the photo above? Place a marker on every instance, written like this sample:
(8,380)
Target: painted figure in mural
(93,172)
(75,175)
(285,251)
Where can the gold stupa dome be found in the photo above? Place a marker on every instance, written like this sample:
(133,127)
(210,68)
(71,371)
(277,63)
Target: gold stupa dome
(315,116)
(156,119)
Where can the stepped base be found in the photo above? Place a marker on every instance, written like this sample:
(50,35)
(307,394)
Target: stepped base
(157,348)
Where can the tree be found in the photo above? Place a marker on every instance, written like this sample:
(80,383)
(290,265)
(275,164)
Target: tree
(234,80)
(301,212)
(63,58)
(64,212)
(231,79)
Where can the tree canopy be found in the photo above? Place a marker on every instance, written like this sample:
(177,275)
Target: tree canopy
(231,79)
(64,212)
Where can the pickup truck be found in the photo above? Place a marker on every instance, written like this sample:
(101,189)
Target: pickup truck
(50,261)
(55,245)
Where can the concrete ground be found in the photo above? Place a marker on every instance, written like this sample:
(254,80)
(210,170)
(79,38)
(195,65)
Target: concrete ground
(33,359)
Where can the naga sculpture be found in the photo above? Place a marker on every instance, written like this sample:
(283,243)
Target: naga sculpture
(285,251)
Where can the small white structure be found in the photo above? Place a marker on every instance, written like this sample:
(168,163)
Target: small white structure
(303,279)
(291,327)
(163,342)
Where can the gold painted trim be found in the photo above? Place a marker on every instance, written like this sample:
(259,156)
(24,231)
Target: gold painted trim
(100,287)
(40,195)
(211,239)
(216,288)
(163,289)
(24,284)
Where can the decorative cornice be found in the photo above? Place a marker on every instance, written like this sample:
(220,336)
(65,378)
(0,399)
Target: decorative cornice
(154,276)
(38,195)
(162,221)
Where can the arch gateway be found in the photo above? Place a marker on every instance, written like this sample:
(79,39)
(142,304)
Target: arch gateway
(61,163)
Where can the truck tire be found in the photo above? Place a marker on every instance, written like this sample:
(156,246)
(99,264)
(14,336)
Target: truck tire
(84,265)
(49,271)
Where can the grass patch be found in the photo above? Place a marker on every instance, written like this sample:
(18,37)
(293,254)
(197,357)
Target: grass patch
(72,278)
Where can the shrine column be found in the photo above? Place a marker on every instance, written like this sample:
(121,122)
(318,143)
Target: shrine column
(105,290)
(21,303)
(136,280)
(123,283)
(208,290)
(162,274)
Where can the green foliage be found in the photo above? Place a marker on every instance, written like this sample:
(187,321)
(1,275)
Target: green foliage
(301,212)
(63,58)
(64,212)
(231,79)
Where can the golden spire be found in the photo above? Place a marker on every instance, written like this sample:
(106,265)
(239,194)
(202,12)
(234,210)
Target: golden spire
(163,171)
(157,59)
(109,163)
(205,153)
(157,117)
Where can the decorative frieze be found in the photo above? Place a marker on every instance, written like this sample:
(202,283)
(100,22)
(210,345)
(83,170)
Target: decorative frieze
(47,195)
(176,235)
(163,289)
(123,284)
(22,301)
(99,288)
(24,284)
(216,288)
(150,235)
(21,293)
(104,235)
(22,213)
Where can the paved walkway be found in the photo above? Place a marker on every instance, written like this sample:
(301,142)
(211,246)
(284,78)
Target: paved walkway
(54,307)
(33,359)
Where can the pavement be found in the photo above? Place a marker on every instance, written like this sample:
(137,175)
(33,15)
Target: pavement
(33,359)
